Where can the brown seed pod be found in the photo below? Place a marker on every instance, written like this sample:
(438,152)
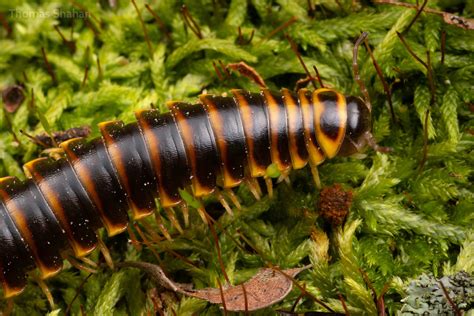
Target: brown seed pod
(334,204)
(13,97)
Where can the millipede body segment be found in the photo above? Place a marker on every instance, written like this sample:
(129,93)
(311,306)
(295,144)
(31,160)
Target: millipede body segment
(218,143)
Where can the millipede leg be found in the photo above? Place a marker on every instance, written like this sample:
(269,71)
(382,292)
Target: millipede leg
(154,236)
(315,173)
(146,241)
(45,289)
(202,212)
(106,253)
(285,176)
(162,227)
(373,144)
(184,208)
(251,184)
(257,186)
(8,310)
(134,239)
(171,216)
(224,203)
(233,198)
(89,262)
(269,183)
(79,266)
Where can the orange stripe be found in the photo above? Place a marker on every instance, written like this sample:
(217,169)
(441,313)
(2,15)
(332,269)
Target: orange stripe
(217,127)
(247,122)
(187,136)
(21,224)
(330,146)
(87,181)
(315,155)
(274,118)
(117,160)
(292,114)
(56,208)
(152,143)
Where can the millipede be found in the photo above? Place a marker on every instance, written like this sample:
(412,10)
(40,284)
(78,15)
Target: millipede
(213,145)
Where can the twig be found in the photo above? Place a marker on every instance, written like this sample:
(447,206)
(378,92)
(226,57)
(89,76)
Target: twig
(224,68)
(5,25)
(298,55)
(344,306)
(240,38)
(416,17)
(83,8)
(246,301)
(381,301)
(453,305)
(338,2)
(426,65)
(43,120)
(221,292)
(91,25)
(188,19)
(425,143)
(386,88)
(48,66)
(71,35)
(218,72)
(402,39)
(34,139)
(369,284)
(69,43)
(159,21)
(431,79)
(355,69)
(219,253)
(281,27)
(145,32)
(443,46)
(302,289)
(311,9)
(378,300)
(69,306)
(298,299)
(86,72)
(99,68)
(10,128)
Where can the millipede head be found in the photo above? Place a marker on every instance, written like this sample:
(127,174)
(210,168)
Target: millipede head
(359,126)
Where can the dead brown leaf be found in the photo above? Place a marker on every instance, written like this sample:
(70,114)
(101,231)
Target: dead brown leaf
(264,289)
(449,18)
(249,72)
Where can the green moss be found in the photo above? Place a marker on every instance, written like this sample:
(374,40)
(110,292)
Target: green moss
(404,221)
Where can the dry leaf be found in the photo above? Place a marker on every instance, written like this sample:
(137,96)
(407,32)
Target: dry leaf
(467,24)
(249,72)
(266,288)
(459,21)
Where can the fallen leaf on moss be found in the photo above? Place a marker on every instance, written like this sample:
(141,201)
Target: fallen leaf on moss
(264,289)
